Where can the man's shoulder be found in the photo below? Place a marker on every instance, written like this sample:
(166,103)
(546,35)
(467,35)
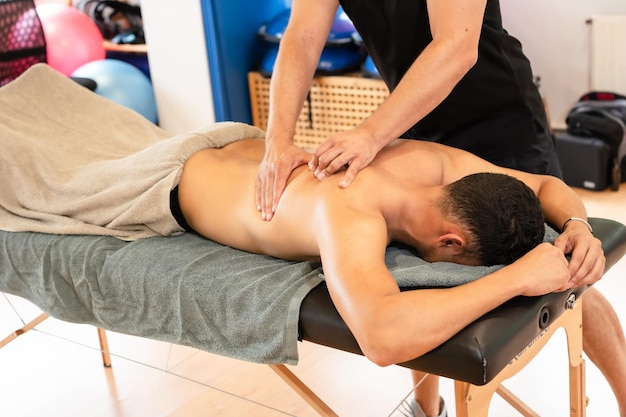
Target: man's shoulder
(413,163)
(415,146)
(349,225)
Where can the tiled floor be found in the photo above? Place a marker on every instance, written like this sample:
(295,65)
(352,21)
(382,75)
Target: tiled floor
(57,371)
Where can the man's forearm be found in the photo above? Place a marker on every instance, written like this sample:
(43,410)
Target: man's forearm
(426,84)
(560,202)
(399,327)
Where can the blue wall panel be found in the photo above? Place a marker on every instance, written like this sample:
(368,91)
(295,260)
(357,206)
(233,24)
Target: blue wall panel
(233,50)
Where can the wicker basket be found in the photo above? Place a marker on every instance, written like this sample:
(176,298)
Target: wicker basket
(336,103)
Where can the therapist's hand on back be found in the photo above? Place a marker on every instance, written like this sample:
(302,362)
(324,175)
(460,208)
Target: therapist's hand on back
(353,150)
(278,163)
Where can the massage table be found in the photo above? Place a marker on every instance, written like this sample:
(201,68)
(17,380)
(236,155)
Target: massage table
(478,358)
(93,241)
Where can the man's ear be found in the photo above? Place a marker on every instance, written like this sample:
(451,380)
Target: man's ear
(451,243)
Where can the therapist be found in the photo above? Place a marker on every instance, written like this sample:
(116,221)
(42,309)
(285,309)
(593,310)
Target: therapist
(456,77)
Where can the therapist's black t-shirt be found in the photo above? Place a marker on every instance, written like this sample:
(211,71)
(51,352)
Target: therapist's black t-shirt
(495,108)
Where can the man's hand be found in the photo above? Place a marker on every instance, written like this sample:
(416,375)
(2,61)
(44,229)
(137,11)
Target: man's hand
(277,165)
(586,265)
(352,149)
(544,269)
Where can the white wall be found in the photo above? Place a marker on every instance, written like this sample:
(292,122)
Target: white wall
(556,39)
(178,64)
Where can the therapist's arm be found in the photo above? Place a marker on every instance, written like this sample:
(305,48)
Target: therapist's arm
(456,27)
(299,52)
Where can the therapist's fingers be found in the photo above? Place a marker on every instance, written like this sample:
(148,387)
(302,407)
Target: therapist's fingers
(326,158)
(272,179)
(346,150)
(264,189)
(271,183)
(351,171)
(338,163)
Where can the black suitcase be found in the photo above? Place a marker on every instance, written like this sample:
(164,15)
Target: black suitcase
(585,161)
(597,116)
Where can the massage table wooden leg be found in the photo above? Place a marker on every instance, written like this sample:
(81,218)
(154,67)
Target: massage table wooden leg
(104,348)
(515,402)
(104,345)
(473,400)
(303,391)
(28,326)
(578,399)
(577,394)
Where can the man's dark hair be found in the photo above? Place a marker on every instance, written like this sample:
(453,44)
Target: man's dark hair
(500,211)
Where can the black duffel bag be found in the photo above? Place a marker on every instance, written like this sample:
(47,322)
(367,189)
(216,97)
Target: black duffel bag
(602,115)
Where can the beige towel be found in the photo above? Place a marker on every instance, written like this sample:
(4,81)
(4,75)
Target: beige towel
(72,162)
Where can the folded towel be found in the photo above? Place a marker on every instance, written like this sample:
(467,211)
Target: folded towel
(117,186)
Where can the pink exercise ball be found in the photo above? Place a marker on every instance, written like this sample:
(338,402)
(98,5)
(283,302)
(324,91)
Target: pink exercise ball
(72,38)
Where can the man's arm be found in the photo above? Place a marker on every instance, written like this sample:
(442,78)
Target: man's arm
(560,204)
(392,326)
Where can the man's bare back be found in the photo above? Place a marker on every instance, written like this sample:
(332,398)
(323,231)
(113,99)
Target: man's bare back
(216,193)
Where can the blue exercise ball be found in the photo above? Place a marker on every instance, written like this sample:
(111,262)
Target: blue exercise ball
(122,83)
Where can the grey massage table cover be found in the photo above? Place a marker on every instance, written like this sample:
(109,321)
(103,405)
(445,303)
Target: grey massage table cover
(184,289)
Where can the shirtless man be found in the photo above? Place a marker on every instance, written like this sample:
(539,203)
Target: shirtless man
(350,228)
